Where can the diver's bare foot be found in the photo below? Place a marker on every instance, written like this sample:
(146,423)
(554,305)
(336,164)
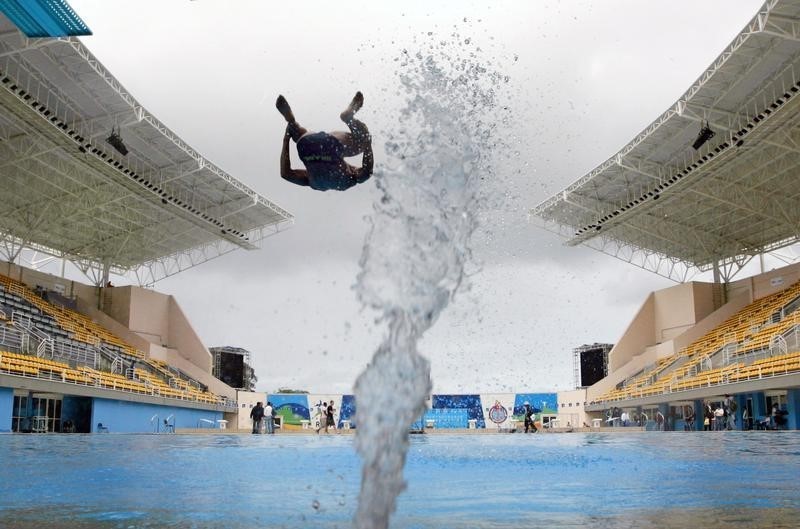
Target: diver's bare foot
(354,106)
(283,107)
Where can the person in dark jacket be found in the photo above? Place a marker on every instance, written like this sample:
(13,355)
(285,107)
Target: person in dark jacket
(529,424)
(257,414)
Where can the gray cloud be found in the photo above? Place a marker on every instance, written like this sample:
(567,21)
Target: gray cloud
(587,78)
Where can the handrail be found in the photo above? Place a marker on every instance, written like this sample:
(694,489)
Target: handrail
(724,378)
(223,402)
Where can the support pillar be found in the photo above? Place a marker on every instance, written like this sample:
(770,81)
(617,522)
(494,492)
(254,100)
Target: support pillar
(101,287)
(741,402)
(793,407)
(759,407)
(699,411)
(664,409)
(6,408)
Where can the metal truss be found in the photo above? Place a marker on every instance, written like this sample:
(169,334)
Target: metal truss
(66,193)
(146,274)
(669,267)
(676,211)
(142,115)
(756,25)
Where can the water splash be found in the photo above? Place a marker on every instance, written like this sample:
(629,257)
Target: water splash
(415,253)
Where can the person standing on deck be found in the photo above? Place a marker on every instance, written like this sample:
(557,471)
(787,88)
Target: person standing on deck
(269,417)
(257,415)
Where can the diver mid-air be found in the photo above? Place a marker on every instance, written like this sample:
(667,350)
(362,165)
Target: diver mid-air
(323,153)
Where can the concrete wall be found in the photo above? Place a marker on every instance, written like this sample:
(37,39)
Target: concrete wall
(246,400)
(703,297)
(6,408)
(669,320)
(639,334)
(72,289)
(135,417)
(766,283)
(571,408)
(664,316)
(672,318)
(115,326)
(159,320)
(117,304)
(182,337)
(675,311)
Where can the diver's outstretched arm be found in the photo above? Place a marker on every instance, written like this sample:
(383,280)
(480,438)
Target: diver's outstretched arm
(295,176)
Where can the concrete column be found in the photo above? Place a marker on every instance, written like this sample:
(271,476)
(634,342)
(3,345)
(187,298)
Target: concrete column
(759,407)
(793,407)
(6,408)
(699,411)
(664,409)
(741,402)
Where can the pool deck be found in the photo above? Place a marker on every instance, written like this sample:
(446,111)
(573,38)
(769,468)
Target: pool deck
(426,431)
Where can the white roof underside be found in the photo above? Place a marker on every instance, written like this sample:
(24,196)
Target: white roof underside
(65,191)
(724,202)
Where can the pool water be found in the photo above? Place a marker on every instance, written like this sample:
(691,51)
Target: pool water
(650,479)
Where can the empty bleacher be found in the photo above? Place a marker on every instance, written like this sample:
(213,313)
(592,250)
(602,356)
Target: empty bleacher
(142,383)
(57,320)
(80,349)
(743,347)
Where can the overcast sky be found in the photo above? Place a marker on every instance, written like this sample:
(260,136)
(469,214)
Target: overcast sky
(589,76)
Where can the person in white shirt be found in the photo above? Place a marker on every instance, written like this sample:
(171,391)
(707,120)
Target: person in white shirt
(268,418)
(719,419)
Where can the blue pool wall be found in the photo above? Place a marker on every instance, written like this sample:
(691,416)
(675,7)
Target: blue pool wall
(446,410)
(455,411)
(348,411)
(135,417)
(6,405)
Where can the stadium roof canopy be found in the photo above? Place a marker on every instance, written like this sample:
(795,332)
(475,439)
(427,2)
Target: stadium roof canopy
(68,190)
(675,210)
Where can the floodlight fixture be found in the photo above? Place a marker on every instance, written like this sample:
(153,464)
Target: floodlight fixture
(115,140)
(703,136)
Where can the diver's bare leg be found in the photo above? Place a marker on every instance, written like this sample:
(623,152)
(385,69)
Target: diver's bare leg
(293,128)
(283,107)
(358,139)
(354,106)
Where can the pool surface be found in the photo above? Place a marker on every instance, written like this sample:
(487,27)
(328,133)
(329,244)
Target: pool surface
(643,480)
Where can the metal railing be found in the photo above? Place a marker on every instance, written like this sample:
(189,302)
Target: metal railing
(788,341)
(67,351)
(12,338)
(52,375)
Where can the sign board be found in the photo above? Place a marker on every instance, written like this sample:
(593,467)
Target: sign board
(776,281)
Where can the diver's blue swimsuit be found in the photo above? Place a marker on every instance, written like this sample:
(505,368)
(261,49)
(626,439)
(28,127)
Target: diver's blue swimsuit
(323,156)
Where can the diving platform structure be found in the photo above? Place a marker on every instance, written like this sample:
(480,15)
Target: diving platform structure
(713,181)
(89,176)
